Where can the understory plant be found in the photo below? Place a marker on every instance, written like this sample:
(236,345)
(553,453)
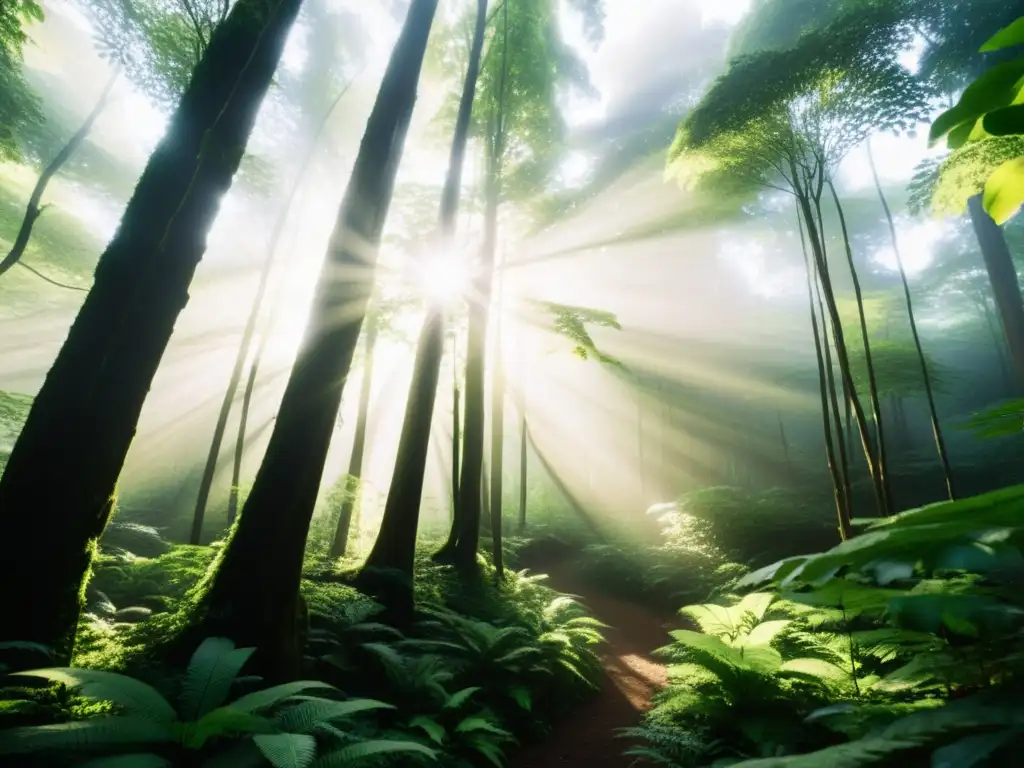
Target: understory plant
(283,726)
(900,646)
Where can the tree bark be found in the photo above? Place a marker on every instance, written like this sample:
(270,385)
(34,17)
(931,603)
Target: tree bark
(66,152)
(354,476)
(881,447)
(842,498)
(470,482)
(497,438)
(253,595)
(940,443)
(84,418)
(395,547)
(1002,275)
(817,250)
(523,427)
(210,470)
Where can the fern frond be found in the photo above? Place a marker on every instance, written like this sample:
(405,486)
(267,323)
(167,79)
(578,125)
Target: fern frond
(459,698)
(269,697)
(286,750)
(431,727)
(211,672)
(135,696)
(304,716)
(353,754)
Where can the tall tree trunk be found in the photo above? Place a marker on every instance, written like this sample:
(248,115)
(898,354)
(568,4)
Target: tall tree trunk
(471,480)
(253,595)
(838,483)
(998,341)
(210,470)
(497,438)
(395,547)
(830,381)
(940,443)
(523,438)
(456,430)
(1002,275)
(818,251)
(85,415)
(354,476)
(882,464)
(66,152)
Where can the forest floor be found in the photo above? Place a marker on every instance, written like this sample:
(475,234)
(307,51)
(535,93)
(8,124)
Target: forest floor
(589,736)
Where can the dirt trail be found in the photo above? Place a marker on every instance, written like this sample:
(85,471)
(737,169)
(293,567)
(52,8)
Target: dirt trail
(588,737)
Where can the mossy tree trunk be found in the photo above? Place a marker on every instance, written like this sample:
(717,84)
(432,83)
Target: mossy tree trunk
(497,440)
(84,418)
(253,594)
(523,456)
(395,547)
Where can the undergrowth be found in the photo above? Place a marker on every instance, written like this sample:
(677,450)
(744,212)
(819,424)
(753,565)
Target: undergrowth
(899,647)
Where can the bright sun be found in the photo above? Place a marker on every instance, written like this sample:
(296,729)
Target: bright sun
(444,278)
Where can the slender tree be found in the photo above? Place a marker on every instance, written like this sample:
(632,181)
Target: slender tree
(396,542)
(940,443)
(35,207)
(84,417)
(249,331)
(252,595)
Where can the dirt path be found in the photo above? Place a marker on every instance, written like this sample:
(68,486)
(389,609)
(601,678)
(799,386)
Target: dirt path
(588,737)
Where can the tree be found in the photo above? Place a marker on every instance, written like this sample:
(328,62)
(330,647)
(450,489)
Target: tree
(85,414)
(19,106)
(788,130)
(252,595)
(519,123)
(395,546)
(249,332)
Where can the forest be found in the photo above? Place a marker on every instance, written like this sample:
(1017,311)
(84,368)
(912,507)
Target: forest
(512,383)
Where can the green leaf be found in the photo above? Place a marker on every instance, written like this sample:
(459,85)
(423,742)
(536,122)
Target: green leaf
(997,87)
(1006,37)
(224,721)
(100,732)
(141,760)
(306,714)
(268,697)
(286,750)
(764,633)
(481,723)
(211,672)
(815,669)
(135,696)
(459,698)
(1007,121)
(521,695)
(346,757)
(431,727)
(973,750)
(1004,191)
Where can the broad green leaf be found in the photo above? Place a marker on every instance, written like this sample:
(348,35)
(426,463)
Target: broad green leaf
(1004,191)
(997,87)
(763,633)
(1007,121)
(135,696)
(459,698)
(224,721)
(96,733)
(973,750)
(287,750)
(303,716)
(1006,37)
(716,620)
(521,695)
(211,672)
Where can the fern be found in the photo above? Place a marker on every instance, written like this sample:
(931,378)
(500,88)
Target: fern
(354,754)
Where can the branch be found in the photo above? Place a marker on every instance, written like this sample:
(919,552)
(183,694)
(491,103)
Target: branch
(50,280)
